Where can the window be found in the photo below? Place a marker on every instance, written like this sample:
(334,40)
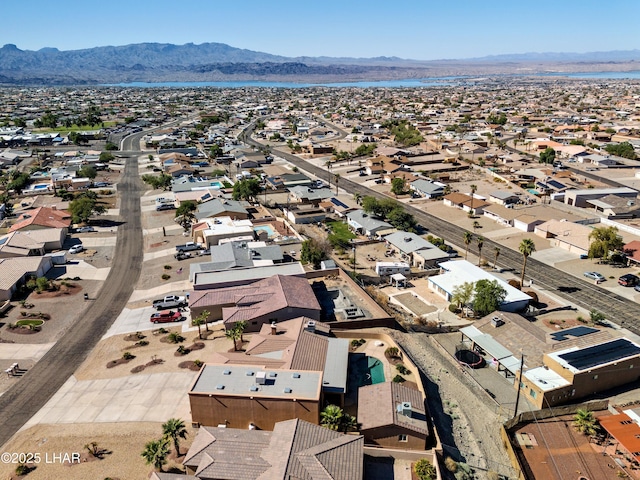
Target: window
(403,438)
(532,393)
(626,422)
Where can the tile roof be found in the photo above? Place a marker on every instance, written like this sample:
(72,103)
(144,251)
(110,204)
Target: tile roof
(378,407)
(43,217)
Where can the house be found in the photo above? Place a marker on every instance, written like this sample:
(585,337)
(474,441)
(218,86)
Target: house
(392,416)
(375,166)
(203,280)
(577,372)
(295,449)
(219,207)
(455,273)
(579,198)
(16,271)
(466,202)
(305,214)
(625,430)
(268,300)
(632,251)
(368,225)
(570,236)
(42,218)
(420,252)
(26,243)
(288,180)
(210,231)
(616,207)
(427,188)
(237,255)
(502,197)
(303,194)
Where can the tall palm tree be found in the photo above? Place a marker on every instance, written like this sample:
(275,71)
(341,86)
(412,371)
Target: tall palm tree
(174,429)
(328,165)
(233,334)
(156,452)
(467,237)
(474,189)
(331,417)
(527,247)
(585,422)
(495,260)
(337,179)
(241,326)
(480,242)
(349,423)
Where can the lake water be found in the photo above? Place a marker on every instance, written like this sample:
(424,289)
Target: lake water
(406,83)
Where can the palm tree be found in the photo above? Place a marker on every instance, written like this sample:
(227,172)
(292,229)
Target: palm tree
(240,326)
(527,247)
(474,188)
(331,417)
(476,225)
(585,422)
(174,429)
(233,334)
(155,453)
(357,197)
(495,261)
(337,179)
(200,320)
(349,423)
(467,237)
(328,165)
(480,242)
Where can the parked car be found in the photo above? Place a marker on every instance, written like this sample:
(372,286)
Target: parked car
(76,248)
(85,229)
(595,276)
(182,255)
(166,316)
(629,280)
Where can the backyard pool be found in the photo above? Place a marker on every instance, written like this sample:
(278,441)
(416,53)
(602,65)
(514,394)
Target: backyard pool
(41,186)
(217,185)
(368,370)
(267,228)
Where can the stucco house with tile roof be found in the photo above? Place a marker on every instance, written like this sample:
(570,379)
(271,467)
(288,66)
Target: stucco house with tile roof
(294,450)
(393,416)
(271,299)
(17,270)
(43,217)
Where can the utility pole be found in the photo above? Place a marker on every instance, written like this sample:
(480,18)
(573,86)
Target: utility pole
(519,383)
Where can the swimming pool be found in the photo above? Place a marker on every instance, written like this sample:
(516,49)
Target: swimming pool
(267,228)
(217,185)
(42,186)
(369,371)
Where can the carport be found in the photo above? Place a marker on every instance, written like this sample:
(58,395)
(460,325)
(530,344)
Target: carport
(489,346)
(398,279)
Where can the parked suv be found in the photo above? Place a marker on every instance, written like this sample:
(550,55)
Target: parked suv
(629,280)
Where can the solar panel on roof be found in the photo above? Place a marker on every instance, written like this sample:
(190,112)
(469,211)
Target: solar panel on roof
(572,332)
(600,354)
(338,203)
(556,184)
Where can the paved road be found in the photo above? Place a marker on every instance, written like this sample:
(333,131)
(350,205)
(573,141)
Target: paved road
(30,393)
(618,309)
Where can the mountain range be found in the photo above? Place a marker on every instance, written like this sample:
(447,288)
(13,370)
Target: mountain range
(165,62)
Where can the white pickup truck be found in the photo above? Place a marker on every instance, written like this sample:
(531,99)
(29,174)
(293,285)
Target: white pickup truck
(189,246)
(170,301)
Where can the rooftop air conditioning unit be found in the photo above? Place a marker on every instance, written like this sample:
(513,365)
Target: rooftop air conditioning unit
(261,378)
(405,409)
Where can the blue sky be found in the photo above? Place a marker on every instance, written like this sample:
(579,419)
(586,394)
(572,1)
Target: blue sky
(416,29)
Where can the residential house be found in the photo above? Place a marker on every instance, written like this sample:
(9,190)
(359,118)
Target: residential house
(238,255)
(428,188)
(43,218)
(16,271)
(210,231)
(295,449)
(219,207)
(375,166)
(421,253)
(271,299)
(366,224)
(503,197)
(288,180)
(579,198)
(28,243)
(392,416)
(466,202)
(632,251)
(303,194)
(455,273)
(569,236)
(616,207)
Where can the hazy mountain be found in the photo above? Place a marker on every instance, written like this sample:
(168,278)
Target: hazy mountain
(162,62)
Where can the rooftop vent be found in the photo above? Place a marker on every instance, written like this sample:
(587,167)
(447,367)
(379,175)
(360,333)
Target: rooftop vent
(404,408)
(311,326)
(287,390)
(295,375)
(253,388)
(497,322)
(249,373)
(219,387)
(273,374)
(227,372)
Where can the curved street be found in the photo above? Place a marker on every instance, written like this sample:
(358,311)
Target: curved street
(39,384)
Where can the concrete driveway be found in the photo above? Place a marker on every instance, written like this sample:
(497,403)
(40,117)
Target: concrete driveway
(137,320)
(134,398)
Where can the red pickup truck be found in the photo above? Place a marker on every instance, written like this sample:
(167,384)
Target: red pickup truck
(166,316)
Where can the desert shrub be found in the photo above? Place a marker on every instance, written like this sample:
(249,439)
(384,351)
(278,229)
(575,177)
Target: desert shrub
(175,337)
(403,370)
(167,267)
(533,295)
(514,283)
(453,308)
(166,276)
(451,464)
(398,379)
(198,363)
(128,356)
(392,352)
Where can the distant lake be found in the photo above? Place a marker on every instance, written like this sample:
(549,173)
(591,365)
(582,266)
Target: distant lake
(602,75)
(407,83)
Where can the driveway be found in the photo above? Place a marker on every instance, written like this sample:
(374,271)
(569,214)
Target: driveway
(137,320)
